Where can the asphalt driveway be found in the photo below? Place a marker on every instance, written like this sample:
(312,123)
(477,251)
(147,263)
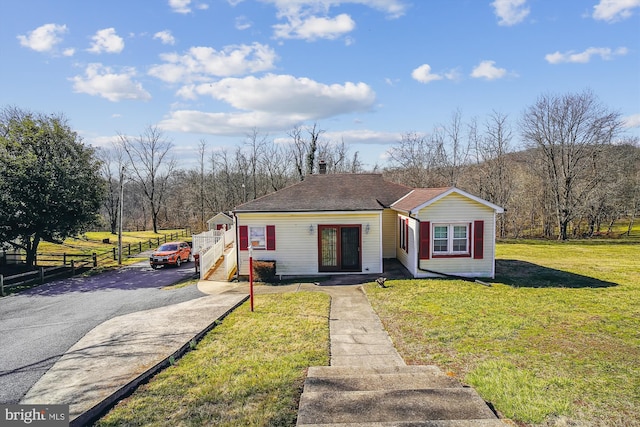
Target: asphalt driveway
(37,326)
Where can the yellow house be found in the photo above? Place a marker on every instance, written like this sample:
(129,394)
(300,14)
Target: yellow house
(349,223)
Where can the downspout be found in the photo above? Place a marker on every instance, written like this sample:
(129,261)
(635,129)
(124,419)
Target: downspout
(451,276)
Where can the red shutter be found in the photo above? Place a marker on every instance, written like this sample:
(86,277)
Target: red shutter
(478,239)
(271,237)
(425,239)
(244,238)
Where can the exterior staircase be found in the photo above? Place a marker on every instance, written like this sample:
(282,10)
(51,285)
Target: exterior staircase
(390,396)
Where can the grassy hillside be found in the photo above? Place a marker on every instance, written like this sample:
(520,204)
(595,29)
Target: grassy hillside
(555,337)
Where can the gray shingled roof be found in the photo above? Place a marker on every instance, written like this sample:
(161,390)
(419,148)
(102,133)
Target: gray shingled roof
(331,192)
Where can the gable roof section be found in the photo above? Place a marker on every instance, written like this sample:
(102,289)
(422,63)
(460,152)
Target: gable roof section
(331,192)
(420,198)
(220,216)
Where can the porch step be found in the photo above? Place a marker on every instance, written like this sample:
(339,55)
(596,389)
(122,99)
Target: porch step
(390,396)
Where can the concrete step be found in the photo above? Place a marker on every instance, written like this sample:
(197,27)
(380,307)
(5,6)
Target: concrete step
(390,396)
(433,423)
(391,406)
(344,371)
(321,379)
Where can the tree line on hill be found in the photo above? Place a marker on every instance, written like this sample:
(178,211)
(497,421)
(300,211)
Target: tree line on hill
(564,170)
(571,173)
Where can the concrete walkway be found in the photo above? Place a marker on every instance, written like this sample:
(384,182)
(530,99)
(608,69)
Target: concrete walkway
(357,335)
(119,354)
(368,382)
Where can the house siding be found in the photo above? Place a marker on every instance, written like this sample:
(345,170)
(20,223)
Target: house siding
(404,256)
(389,233)
(455,208)
(297,249)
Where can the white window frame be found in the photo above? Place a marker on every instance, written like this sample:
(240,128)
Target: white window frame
(450,239)
(257,233)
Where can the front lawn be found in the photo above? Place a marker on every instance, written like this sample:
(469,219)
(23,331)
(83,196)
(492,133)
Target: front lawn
(248,371)
(556,339)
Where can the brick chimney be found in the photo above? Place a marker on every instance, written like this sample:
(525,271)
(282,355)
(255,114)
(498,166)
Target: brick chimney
(322,166)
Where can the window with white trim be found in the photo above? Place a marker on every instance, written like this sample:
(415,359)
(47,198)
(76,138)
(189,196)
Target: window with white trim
(450,239)
(258,237)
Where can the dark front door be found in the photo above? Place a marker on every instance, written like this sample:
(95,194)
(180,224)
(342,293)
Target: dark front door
(339,248)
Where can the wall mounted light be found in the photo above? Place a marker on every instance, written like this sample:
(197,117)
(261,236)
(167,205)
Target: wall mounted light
(366,229)
(310,228)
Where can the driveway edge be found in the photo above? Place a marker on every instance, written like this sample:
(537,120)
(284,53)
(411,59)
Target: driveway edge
(93,414)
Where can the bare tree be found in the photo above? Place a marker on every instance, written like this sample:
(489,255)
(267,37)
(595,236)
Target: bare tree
(112,163)
(299,150)
(151,166)
(570,132)
(451,151)
(413,159)
(496,172)
(314,136)
(276,162)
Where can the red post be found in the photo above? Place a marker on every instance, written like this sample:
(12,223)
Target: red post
(251,276)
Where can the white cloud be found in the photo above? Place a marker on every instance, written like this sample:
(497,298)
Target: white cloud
(43,38)
(614,10)
(488,71)
(423,74)
(393,8)
(102,81)
(68,52)
(273,102)
(604,53)
(165,37)
(510,12)
(180,6)
(632,121)
(364,136)
(287,94)
(310,19)
(243,23)
(202,63)
(313,27)
(184,6)
(106,40)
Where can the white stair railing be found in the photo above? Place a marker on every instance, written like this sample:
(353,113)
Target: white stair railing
(210,247)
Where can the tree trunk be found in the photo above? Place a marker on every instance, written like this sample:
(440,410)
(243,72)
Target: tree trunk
(31,247)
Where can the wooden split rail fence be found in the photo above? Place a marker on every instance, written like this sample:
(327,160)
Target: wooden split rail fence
(54,265)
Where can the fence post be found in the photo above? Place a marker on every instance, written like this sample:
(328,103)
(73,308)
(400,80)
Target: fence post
(94,256)
(114,254)
(129,249)
(158,241)
(64,258)
(73,268)
(1,285)
(41,275)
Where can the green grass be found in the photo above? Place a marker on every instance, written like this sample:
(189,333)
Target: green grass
(557,335)
(248,371)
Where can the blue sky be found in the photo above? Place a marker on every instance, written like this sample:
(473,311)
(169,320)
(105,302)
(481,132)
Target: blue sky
(366,71)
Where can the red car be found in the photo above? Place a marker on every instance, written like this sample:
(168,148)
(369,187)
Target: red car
(171,253)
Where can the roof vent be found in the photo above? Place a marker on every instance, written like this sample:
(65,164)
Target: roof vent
(322,165)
